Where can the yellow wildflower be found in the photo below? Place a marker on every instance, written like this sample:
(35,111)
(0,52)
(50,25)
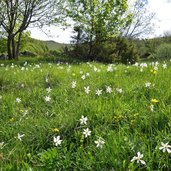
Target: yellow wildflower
(12,120)
(154,100)
(55,130)
(154,72)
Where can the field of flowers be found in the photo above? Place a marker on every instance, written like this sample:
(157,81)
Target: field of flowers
(88,116)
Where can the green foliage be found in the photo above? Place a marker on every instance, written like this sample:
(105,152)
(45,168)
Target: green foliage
(126,51)
(120,50)
(163,52)
(3,46)
(96,17)
(25,41)
(97,21)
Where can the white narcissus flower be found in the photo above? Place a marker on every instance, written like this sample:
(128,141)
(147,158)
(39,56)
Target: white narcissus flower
(20,136)
(152,108)
(57,140)
(165,147)
(119,90)
(164,66)
(86,132)
(74,84)
(99,143)
(83,77)
(95,69)
(47,80)
(87,89)
(47,98)
(110,68)
(83,120)
(136,64)
(18,100)
(148,84)
(143,65)
(108,89)
(98,92)
(138,158)
(48,90)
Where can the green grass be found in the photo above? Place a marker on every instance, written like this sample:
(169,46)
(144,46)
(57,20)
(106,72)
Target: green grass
(123,120)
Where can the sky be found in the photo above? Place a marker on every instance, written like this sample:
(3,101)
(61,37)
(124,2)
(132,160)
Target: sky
(162,20)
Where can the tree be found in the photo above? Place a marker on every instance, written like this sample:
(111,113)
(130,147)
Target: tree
(98,19)
(17,15)
(141,20)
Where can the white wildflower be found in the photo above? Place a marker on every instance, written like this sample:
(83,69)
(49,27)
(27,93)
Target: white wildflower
(87,89)
(57,140)
(165,147)
(143,65)
(152,108)
(18,100)
(155,68)
(95,69)
(99,143)
(20,136)
(108,89)
(48,90)
(86,132)
(138,158)
(98,92)
(164,66)
(119,90)
(83,77)
(47,98)
(110,68)
(136,64)
(74,84)
(83,120)
(87,74)
(147,84)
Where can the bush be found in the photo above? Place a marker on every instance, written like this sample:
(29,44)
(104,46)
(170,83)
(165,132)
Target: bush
(126,51)
(118,50)
(163,51)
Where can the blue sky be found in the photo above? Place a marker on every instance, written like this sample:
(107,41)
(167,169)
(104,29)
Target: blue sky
(162,9)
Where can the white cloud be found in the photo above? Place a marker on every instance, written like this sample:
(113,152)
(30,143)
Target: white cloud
(162,10)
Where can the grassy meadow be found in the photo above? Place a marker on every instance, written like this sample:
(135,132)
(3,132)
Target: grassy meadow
(85,116)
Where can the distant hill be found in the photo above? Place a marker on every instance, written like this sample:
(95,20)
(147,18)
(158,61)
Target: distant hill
(52,45)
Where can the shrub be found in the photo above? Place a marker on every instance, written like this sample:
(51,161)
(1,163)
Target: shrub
(126,51)
(118,50)
(163,51)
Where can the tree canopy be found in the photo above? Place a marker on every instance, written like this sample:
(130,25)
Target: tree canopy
(98,19)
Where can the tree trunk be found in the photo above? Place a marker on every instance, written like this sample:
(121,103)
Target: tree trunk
(9,47)
(13,47)
(90,50)
(18,45)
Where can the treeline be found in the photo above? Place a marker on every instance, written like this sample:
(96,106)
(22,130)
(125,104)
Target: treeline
(125,50)
(105,31)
